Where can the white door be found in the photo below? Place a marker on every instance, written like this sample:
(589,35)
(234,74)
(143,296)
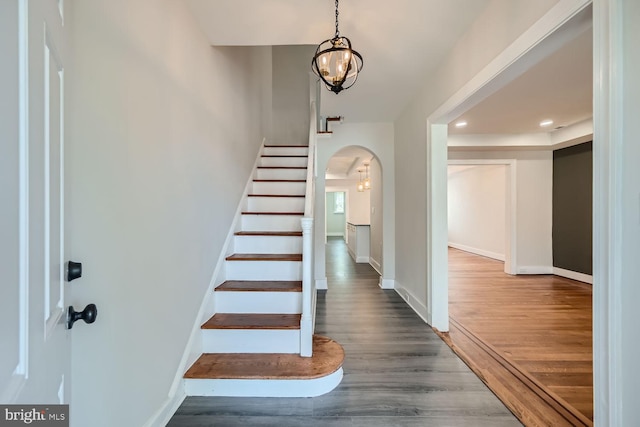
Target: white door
(35,361)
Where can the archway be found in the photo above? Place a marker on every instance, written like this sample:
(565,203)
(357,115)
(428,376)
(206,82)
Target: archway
(376,139)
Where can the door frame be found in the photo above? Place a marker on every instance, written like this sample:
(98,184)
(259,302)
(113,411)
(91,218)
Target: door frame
(511,234)
(608,149)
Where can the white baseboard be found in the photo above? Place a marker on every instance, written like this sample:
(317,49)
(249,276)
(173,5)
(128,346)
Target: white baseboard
(335,234)
(574,275)
(166,411)
(414,303)
(534,269)
(321,283)
(376,265)
(482,252)
(386,283)
(362,260)
(264,388)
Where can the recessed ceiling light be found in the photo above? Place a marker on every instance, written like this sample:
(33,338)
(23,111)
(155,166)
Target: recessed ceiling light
(461,124)
(546,123)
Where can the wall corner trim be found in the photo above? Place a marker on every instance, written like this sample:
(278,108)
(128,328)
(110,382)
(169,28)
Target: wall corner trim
(166,410)
(416,305)
(322,284)
(386,283)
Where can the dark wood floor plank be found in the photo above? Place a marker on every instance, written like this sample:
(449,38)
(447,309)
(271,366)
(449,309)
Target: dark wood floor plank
(397,371)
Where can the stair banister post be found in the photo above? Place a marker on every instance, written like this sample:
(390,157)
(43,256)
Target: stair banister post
(306,320)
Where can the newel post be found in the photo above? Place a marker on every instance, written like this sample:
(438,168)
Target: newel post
(306,320)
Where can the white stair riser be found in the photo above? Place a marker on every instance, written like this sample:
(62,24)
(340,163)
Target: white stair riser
(287,151)
(263,388)
(276,204)
(263,270)
(251,341)
(289,188)
(267,244)
(259,302)
(281,174)
(271,222)
(283,161)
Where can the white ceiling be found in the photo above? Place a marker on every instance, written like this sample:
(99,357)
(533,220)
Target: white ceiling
(560,88)
(401,42)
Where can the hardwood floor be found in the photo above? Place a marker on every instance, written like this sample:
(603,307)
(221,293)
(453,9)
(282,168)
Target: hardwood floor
(539,327)
(398,372)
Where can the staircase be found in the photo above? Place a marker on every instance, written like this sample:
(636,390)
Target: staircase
(252,345)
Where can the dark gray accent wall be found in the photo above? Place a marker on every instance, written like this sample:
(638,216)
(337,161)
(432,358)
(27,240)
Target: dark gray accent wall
(572,208)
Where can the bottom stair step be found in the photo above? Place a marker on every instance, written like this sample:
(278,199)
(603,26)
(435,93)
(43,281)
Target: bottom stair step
(263,375)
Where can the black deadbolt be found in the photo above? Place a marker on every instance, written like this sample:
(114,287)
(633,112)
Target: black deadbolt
(89,315)
(74,270)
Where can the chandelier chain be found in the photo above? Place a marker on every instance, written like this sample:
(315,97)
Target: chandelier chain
(337,30)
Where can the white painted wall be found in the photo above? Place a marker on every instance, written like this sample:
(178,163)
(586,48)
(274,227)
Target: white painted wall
(494,30)
(358,202)
(377,215)
(477,209)
(336,222)
(9,194)
(534,187)
(163,133)
(290,77)
(378,139)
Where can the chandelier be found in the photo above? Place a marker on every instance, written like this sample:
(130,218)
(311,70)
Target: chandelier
(336,63)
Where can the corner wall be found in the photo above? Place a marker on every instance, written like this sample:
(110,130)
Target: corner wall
(494,30)
(534,184)
(477,204)
(163,131)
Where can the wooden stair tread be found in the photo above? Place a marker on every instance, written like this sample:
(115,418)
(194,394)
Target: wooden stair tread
(271,213)
(282,167)
(289,146)
(328,357)
(269,233)
(285,155)
(260,286)
(252,321)
(279,180)
(264,257)
(275,195)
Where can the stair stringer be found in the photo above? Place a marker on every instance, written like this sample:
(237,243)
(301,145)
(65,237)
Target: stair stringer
(194,347)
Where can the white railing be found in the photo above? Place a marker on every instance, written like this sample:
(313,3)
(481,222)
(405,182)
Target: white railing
(307,319)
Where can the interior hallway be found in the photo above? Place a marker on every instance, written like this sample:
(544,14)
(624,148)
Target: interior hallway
(529,337)
(398,372)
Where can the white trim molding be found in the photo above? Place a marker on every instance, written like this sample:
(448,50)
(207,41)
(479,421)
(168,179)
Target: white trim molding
(573,275)
(322,284)
(608,153)
(535,269)
(481,252)
(415,304)
(386,283)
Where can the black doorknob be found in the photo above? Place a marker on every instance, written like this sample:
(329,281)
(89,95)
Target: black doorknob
(89,315)
(74,270)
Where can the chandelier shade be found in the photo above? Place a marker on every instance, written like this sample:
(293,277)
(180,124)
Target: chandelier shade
(336,63)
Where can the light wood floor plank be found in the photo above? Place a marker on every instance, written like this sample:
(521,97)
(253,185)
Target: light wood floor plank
(540,324)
